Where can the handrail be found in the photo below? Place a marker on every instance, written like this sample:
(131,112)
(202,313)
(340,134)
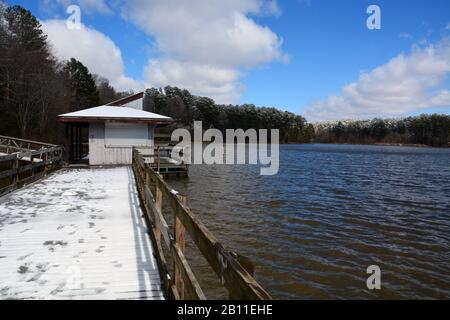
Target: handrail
(25,164)
(27,141)
(160,152)
(182,283)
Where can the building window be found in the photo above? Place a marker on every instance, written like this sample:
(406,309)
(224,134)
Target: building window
(126,135)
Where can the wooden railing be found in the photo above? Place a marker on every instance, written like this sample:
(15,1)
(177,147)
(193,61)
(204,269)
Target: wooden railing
(24,161)
(157,158)
(10,145)
(234,271)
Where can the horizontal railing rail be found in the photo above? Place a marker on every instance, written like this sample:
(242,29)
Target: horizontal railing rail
(22,144)
(234,271)
(20,164)
(155,156)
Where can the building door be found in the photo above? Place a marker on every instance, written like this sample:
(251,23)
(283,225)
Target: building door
(77,142)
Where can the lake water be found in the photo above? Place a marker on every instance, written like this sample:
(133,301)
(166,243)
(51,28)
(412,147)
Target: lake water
(332,211)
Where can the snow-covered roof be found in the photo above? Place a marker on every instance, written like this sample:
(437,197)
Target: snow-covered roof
(115,113)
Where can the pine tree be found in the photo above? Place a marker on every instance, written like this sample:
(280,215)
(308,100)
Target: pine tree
(84,93)
(26,70)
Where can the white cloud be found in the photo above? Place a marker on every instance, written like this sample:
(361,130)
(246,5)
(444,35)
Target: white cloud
(206,80)
(270,7)
(405,84)
(205,44)
(94,49)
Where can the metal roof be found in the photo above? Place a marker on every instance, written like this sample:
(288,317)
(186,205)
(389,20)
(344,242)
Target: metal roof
(104,113)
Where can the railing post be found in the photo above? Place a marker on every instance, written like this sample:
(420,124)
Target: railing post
(146,184)
(180,232)
(32,165)
(15,166)
(45,159)
(158,204)
(159,160)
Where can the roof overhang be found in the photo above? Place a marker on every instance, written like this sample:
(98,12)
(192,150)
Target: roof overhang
(104,114)
(116,120)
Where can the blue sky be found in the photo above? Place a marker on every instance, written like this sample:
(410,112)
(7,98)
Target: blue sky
(301,51)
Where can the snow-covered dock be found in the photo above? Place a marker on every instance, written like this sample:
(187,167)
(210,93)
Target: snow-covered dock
(79,234)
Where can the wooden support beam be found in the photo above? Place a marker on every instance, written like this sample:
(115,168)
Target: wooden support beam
(180,233)
(158,206)
(15,167)
(190,285)
(157,218)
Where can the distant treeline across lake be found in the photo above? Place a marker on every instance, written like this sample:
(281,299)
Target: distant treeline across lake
(430,130)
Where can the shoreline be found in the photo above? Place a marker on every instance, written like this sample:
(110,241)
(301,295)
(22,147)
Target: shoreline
(385,144)
(381,144)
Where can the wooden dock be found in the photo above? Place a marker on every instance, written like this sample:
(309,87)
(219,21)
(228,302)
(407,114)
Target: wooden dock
(79,234)
(101,233)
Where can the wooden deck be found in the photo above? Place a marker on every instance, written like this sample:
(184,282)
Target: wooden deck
(79,234)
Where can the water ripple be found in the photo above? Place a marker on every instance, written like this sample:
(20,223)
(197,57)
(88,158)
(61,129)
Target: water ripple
(330,213)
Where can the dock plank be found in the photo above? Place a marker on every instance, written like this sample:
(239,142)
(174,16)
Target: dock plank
(79,234)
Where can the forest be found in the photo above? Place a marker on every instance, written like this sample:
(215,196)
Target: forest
(430,130)
(35,87)
(187,108)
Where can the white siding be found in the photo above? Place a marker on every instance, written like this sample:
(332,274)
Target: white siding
(102,154)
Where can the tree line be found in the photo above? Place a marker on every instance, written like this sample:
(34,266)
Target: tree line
(181,105)
(431,130)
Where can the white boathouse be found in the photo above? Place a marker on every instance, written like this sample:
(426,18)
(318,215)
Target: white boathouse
(106,135)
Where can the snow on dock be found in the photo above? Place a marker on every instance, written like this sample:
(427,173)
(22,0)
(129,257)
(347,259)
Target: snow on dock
(79,234)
